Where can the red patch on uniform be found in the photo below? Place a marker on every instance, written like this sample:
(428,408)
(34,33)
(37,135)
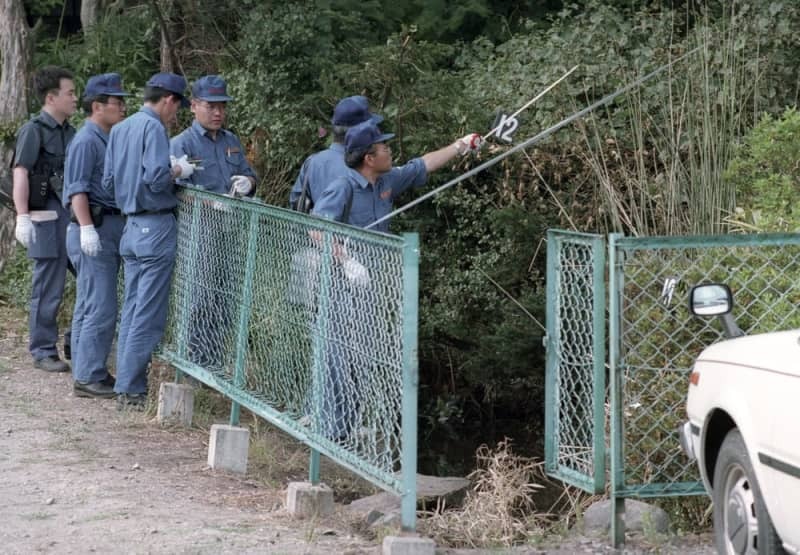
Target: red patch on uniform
(386,195)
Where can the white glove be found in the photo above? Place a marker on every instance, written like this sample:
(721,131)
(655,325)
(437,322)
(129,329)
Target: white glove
(187,168)
(241,185)
(90,240)
(469,143)
(25,232)
(355,272)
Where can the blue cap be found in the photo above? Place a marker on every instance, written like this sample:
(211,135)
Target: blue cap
(352,111)
(109,84)
(364,135)
(171,82)
(211,88)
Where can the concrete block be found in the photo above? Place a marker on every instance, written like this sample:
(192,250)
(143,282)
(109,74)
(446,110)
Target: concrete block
(408,545)
(306,500)
(175,404)
(227,448)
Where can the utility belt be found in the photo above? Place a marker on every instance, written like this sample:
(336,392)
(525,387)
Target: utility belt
(97,212)
(154,212)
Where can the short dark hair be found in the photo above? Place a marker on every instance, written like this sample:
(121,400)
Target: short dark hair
(154,94)
(355,158)
(339,132)
(48,79)
(87,103)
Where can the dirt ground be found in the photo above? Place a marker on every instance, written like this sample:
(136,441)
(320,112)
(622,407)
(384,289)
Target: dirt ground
(77,476)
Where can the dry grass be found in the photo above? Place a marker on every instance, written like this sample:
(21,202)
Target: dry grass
(501,508)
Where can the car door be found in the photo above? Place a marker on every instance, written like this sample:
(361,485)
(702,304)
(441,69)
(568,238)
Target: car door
(780,458)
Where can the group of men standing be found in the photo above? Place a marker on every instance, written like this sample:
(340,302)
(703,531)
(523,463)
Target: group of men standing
(110,198)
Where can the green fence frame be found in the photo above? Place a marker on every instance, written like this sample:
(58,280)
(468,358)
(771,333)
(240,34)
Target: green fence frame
(652,343)
(251,225)
(649,319)
(575,364)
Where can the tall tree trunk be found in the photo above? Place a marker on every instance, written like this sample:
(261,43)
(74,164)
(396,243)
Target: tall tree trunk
(93,10)
(90,12)
(15,53)
(167,50)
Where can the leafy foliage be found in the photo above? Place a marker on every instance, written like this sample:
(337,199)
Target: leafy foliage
(100,49)
(435,71)
(765,175)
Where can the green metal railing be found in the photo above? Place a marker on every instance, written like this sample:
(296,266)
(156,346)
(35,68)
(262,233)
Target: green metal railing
(310,324)
(652,344)
(654,341)
(575,368)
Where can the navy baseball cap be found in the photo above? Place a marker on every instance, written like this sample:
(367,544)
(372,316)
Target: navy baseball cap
(171,82)
(109,84)
(352,111)
(364,135)
(211,88)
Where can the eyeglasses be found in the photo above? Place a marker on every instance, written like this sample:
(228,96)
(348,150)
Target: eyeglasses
(213,106)
(115,102)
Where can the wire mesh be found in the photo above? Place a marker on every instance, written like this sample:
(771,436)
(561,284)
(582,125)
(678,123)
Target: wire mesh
(657,339)
(297,317)
(660,339)
(575,375)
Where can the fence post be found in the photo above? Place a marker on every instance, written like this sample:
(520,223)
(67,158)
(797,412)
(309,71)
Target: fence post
(244,313)
(551,333)
(408,455)
(615,280)
(187,294)
(320,349)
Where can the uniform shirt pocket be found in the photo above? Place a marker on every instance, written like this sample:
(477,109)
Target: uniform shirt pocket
(235,160)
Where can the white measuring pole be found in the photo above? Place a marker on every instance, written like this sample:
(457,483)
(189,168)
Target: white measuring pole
(532,100)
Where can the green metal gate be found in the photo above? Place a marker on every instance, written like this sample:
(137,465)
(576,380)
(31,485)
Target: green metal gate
(575,367)
(653,341)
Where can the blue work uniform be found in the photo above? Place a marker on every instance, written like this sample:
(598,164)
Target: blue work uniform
(219,157)
(138,171)
(94,318)
(368,202)
(352,199)
(318,171)
(42,143)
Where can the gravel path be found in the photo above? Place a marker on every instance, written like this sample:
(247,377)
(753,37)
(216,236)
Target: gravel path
(77,476)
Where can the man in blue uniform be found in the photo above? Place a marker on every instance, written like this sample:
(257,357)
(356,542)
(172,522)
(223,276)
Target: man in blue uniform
(320,169)
(139,172)
(93,237)
(226,171)
(365,194)
(361,196)
(38,179)
(218,151)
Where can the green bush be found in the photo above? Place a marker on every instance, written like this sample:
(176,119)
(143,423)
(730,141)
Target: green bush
(764,173)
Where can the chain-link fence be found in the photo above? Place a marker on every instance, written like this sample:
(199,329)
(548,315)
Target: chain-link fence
(659,339)
(575,370)
(308,323)
(653,342)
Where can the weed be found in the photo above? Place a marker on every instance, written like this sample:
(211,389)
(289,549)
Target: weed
(500,510)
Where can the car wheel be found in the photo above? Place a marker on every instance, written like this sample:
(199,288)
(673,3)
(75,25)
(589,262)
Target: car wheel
(741,522)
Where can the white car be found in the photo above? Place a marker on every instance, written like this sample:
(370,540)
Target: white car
(744,431)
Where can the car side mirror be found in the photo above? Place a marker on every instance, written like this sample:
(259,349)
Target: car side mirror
(710,300)
(715,299)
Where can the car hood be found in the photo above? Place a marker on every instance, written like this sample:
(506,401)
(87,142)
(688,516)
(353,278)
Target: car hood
(777,351)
